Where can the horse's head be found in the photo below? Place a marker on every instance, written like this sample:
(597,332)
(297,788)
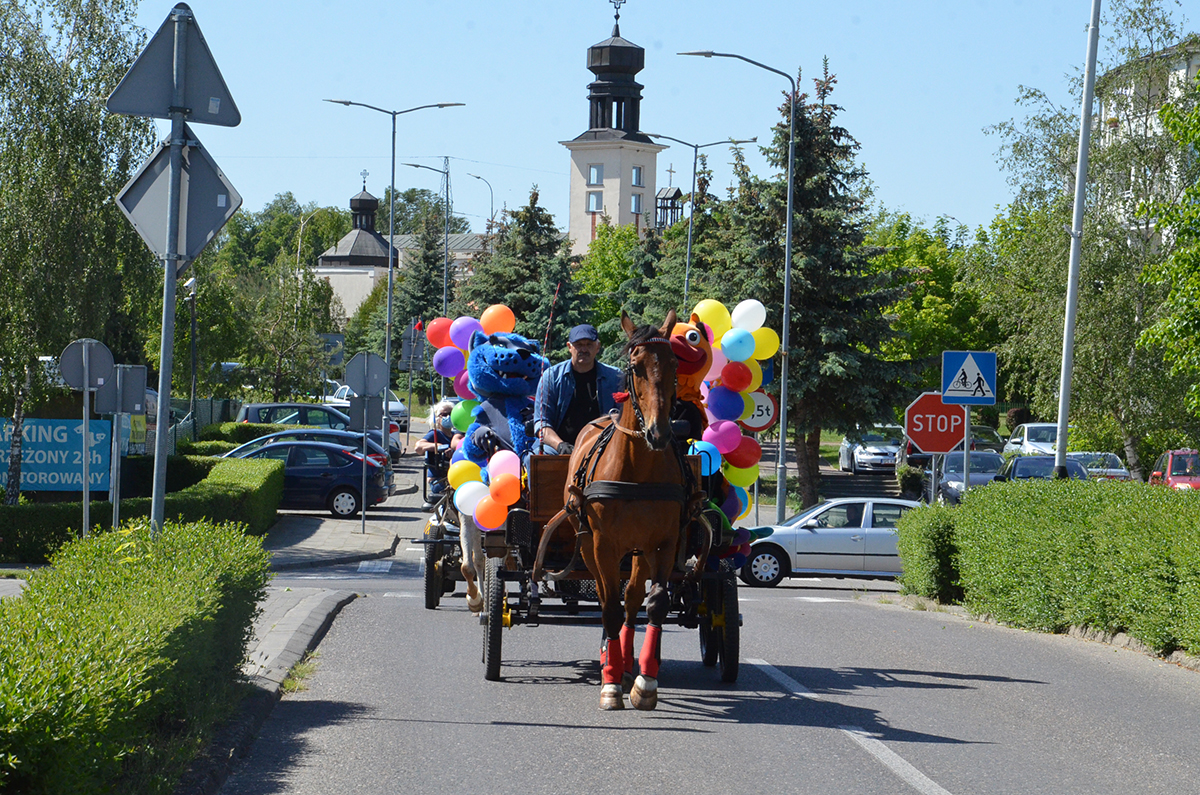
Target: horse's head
(651,377)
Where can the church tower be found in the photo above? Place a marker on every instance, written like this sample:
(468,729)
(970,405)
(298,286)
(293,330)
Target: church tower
(613,163)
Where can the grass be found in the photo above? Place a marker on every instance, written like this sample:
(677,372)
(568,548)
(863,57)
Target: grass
(296,680)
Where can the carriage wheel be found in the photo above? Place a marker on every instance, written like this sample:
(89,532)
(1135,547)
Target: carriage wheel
(730,633)
(493,605)
(710,639)
(434,576)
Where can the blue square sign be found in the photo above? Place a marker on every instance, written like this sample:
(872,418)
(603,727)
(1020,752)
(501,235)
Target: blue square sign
(969,377)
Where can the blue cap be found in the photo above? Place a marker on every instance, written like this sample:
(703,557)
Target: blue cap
(584,331)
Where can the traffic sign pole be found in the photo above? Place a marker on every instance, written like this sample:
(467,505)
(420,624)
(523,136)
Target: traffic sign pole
(87,448)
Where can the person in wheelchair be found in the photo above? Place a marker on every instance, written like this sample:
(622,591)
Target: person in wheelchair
(437,447)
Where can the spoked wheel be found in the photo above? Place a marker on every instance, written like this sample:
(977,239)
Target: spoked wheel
(710,638)
(434,576)
(730,632)
(494,615)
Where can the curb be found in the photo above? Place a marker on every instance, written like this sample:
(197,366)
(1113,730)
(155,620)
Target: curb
(355,557)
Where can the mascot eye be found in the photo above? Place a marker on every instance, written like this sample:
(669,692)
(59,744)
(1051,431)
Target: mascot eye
(692,337)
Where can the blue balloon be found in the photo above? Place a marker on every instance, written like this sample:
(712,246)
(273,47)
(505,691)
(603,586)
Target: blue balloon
(737,345)
(768,371)
(459,455)
(725,404)
(710,457)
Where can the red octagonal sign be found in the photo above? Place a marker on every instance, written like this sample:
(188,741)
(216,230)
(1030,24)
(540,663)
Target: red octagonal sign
(932,426)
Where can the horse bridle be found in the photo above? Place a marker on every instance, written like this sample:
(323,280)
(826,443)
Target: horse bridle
(629,384)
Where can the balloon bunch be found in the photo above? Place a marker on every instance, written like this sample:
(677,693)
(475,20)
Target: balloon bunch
(487,503)
(452,338)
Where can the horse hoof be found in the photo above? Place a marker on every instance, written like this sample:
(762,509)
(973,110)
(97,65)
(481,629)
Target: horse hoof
(475,605)
(611,697)
(645,693)
(626,682)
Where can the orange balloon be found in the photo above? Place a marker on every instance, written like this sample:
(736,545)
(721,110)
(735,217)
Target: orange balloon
(438,332)
(490,514)
(505,489)
(498,319)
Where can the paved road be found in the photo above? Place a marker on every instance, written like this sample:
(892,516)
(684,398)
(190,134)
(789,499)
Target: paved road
(839,693)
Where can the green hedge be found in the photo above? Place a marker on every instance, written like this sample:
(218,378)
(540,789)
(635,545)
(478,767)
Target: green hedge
(214,447)
(240,432)
(117,647)
(235,490)
(1046,555)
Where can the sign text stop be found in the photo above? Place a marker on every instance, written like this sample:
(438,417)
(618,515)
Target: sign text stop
(932,426)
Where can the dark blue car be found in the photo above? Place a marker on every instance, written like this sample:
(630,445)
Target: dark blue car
(347,440)
(318,475)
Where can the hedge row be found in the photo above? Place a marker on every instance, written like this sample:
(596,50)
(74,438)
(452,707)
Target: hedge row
(214,447)
(235,490)
(240,432)
(117,646)
(1115,557)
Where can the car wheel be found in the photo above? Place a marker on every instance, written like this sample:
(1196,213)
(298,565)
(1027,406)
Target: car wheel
(765,567)
(343,503)
(853,465)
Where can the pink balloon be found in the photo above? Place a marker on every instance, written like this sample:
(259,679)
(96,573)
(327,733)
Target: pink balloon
(448,361)
(504,461)
(718,363)
(724,434)
(462,386)
(462,329)
(455,443)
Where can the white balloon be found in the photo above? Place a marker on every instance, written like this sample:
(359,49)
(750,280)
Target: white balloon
(749,315)
(468,495)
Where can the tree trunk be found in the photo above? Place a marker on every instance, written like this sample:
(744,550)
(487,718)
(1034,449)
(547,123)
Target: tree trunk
(808,465)
(13,490)
(1131,458)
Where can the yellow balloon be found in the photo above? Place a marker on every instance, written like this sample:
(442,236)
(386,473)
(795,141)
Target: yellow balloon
(747,403)
(741,477)
(714,315)
(462,472)
(766,343)
(755,375)
(745,513)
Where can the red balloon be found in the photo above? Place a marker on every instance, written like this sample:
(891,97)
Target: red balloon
(736,376)
(438,332)
(746,454)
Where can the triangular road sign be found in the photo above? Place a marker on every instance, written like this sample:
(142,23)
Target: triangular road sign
(148,88)
(969,377)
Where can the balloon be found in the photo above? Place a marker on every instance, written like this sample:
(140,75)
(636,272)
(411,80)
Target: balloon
(714,314)
(743,496)
(756,375)
(749,315)
(725,404)
(740,476)
(710,457)
(738,559)
(746,512)
(438,332)
(742,536)
(462,386)
(459,453)
(460,416)
(719,361)
(732,506)
(768,372)
(723,435)
(467,497)
(497,319)
(505,489)
(766,343)
(747,406)
(462,472)
(737,345)
(449,361)
(504,462)
(461,331)
(489,514)
(747,453)
(736,376)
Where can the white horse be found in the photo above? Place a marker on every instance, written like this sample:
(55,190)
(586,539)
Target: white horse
(474,562)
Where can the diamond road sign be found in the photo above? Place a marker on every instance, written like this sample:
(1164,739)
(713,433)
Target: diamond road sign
(207,199)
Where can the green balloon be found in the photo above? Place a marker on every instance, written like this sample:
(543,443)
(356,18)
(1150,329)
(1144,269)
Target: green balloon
(461,415)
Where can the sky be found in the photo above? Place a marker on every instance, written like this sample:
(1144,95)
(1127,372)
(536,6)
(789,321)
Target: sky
(918,80)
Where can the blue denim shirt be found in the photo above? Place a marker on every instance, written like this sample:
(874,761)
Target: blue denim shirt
(556,388)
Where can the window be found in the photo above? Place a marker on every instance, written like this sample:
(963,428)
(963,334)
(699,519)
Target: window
(635,204)
(596,174)
(595,201)
(637,177)
(886,515)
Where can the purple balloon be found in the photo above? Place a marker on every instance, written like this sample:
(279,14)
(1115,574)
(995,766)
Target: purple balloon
(732,506)
(461,331)
(725,404)
(448,361)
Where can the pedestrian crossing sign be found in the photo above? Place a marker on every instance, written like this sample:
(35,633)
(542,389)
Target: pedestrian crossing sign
(969,377)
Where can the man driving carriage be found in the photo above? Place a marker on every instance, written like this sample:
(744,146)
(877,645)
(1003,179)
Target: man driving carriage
(573,393)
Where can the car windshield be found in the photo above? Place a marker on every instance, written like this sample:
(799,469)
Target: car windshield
(981,463)
(1097,460)
(1046,434)
(1185,464)
(889,435)
(1044,468)
(983,433)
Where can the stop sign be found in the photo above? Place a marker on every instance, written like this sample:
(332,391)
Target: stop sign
(932,426)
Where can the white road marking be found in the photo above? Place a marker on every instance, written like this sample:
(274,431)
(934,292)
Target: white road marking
(798,598)
(397,594)
(375,566)
(886,756)
(321,577)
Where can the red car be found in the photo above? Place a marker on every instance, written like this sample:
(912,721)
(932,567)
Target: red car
(1179,469)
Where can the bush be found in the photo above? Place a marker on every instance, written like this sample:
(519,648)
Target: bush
(909,479)
(926,542)
(117,646)
(240,432)
(1018,415)
(215,447)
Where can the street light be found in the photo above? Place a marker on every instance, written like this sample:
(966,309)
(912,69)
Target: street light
(387,340)
(781,464)
(445,214)
(491,201)
(687,268)
(190,286)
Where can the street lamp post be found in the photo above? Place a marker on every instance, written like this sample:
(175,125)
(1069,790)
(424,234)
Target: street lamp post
(687,268)
(445,172)
(491,201)
(781,464)
(387,340)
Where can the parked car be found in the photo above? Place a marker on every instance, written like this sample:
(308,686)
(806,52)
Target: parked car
(318,475)
(952,484)
(311,414)
(1033,438)
(1041,467)
(984,438)
(1102,466)
(340,399)
(874,450)
(1179,469)
(846,537)
(347,440)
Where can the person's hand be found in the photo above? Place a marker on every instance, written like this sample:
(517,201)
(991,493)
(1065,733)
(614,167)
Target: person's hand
(564,448)
(487,441)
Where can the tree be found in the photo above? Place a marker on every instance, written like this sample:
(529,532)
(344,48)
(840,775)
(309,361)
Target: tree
(607,266)
(70,265)
(414,208)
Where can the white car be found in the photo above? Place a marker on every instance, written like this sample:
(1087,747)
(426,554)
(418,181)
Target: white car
(1034,438)
(341,400)
(875,450)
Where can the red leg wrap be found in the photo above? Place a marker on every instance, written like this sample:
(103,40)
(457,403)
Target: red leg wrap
(611,665)
(627,647)
(651,652)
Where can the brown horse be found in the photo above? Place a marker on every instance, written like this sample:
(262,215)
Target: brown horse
(631,494)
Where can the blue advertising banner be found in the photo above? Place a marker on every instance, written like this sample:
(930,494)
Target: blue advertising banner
(52,454)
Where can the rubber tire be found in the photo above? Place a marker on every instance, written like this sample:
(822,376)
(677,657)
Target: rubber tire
(434,578)
(710,642)
(781,567)
(731,632)
(334,500)
(493,607)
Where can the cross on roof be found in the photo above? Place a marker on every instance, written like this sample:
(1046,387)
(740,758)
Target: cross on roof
(364,173)
(617,7)
(671,171)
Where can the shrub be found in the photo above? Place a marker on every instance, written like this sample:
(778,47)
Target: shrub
(215,447)
(926,542)
(1018,415)
(909,479)
(117,645)
(240,432)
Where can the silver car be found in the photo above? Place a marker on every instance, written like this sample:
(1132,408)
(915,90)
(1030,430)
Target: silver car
(1102,466)
(952,484)
(873,450)
(847,537)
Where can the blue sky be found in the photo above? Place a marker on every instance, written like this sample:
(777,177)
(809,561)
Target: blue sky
(918,82)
